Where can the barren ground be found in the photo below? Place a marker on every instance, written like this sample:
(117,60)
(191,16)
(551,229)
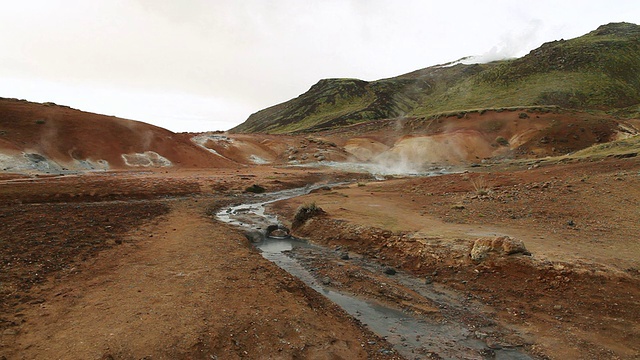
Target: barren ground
(154,276)
(131,265)
(575,297)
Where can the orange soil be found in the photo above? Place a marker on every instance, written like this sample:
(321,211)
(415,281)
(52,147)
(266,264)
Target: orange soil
(576,297)
(156,277)
(129,264)
(64,135)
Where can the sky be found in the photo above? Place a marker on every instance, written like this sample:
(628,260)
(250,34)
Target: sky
(204,65)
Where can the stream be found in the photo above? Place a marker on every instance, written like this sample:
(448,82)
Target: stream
(414,336)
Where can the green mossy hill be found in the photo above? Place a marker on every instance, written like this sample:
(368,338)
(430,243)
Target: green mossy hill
(338,102)
(599,71)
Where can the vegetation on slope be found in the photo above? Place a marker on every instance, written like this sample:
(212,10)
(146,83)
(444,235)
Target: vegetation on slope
(599,71)
(337,102)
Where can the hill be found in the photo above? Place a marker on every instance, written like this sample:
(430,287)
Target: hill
(597,72)
(54,138)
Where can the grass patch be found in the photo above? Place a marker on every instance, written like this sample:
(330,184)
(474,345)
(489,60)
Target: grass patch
(481,186)
(502,141)
(628,147)
(255,188)
(306,212)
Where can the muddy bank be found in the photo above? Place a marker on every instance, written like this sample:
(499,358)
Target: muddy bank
(413,323)
(574,297)
(155,277)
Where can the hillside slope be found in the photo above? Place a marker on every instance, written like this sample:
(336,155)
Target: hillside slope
(599,71)
(49,137)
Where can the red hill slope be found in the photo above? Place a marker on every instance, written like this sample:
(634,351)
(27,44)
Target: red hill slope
(49,137)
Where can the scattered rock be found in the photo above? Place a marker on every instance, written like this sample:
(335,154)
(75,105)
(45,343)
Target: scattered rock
(344,256)
(326,280)
(428,280)
(390,271)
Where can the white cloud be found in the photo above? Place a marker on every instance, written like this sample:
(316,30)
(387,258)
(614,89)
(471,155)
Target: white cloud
(242,56)
(178,112)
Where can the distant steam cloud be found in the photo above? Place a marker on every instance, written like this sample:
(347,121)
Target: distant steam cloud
(146,159)
(513,45)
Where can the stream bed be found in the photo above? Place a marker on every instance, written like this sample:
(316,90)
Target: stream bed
(450,335)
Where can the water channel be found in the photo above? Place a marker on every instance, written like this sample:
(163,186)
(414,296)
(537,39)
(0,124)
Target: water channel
(413,336)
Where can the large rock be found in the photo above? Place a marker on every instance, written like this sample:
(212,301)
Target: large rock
(255,236)
(278,231)
(498,246)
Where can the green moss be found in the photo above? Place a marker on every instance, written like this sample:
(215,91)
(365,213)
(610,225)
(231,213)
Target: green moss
(502,141)
(629,146)
(256,189)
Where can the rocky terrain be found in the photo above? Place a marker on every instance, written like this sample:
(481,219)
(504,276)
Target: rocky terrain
(487,211)
(552,250)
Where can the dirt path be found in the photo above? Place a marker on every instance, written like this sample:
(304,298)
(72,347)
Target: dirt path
(184,287)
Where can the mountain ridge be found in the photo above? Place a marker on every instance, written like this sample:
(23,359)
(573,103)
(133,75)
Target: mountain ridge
(599,71)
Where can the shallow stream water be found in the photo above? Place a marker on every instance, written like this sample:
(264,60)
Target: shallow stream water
(413,336)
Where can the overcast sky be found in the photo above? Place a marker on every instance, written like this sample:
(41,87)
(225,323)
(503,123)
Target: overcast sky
(198,65)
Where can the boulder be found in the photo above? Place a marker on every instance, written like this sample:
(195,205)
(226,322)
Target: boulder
(255,236)
(498,246)
(390,271)
(278,231)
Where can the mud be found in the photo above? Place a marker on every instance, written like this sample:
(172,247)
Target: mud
(131,265)
(411,333)
(574,297)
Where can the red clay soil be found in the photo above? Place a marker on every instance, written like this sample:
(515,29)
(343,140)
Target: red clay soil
(64,134)
(71,137)
(575,297)
(155,276)
(130,264)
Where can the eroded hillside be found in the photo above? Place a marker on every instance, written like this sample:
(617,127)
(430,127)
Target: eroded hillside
(49,137)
